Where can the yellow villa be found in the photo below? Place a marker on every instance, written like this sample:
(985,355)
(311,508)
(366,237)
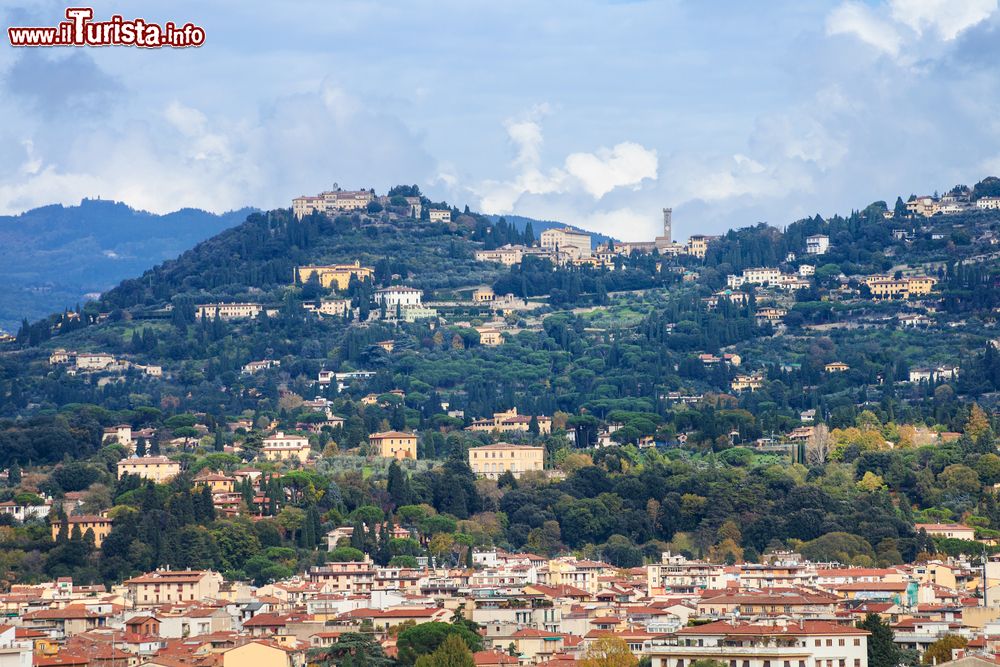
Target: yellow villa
(884,287)
(101,525)
(489,336)
(336,274)
(394,444)
(509,421)
(215,481)
(491,461)
(281,447)
(159,469)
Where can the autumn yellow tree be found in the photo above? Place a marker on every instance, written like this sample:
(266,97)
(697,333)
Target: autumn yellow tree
(977,424)
(940,651)
(728,549)
(871,482)
(609,652)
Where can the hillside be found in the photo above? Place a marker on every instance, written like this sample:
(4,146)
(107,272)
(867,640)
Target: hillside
(764,396)
(57,257)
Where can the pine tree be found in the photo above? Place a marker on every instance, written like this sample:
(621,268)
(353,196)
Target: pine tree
(882,650)
(383,554)
(397,486)
(358,536)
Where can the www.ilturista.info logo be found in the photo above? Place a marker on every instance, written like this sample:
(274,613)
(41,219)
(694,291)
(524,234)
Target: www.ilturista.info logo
(81,30)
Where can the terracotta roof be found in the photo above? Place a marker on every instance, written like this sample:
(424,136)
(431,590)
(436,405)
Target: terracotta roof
(791,628)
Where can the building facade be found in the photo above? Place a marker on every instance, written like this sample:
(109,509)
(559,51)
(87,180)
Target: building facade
(159,469)
(335,274)
(574,244)
(491,461)
(227,311)
(394,444)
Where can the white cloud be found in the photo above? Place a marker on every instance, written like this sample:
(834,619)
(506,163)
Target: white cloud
(32,163)
(627,163)
(895,23)
(947,18)
(596,174)
(854,18)
(184,157)
(203,144)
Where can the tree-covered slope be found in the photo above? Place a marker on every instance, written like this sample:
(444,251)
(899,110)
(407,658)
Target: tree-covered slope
(55,256)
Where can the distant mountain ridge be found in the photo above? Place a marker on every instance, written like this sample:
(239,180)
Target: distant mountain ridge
(52,257)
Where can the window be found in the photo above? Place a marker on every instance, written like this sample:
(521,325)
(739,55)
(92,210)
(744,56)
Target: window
(840,642)
(829,642)
(819,642)
(857,641)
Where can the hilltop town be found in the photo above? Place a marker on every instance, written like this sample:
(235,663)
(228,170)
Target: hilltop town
(344,432)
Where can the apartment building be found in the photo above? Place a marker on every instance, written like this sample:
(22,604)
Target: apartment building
(802,643)
(817,244)
(439,215)
(347,577)
(171,586)
(491,461)
(677,574)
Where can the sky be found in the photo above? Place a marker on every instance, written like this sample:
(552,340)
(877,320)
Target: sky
(594,113)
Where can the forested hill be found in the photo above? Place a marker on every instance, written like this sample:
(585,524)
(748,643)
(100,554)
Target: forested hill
(56,257)
(262,253)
